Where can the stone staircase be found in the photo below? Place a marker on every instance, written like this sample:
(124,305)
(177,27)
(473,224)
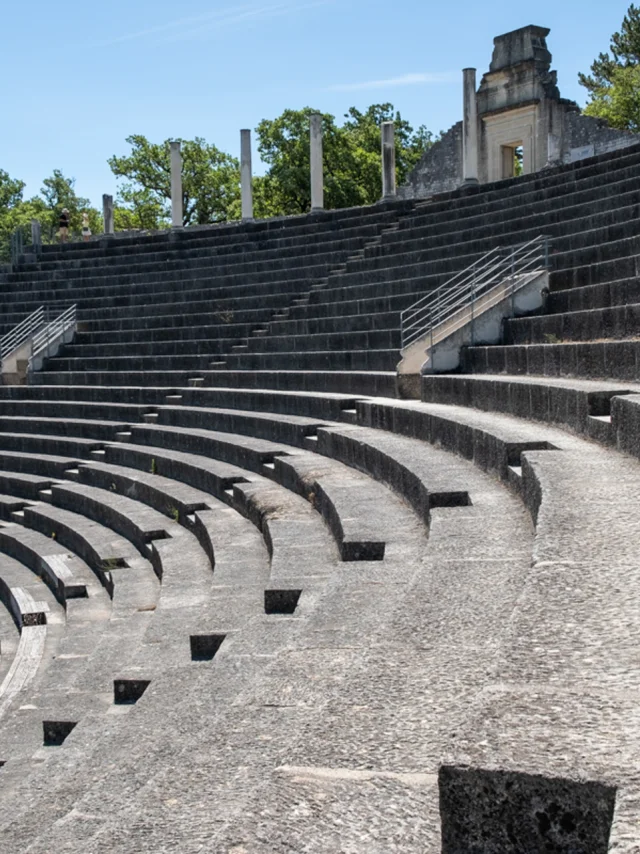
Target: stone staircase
(254,602)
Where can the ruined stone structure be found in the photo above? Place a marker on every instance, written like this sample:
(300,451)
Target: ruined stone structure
(254,602)
(517,108)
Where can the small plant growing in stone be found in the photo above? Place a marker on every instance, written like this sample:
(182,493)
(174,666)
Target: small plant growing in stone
(53,535)
(550,338)
(225,316)
(154,466)
(114,488)
(174,513)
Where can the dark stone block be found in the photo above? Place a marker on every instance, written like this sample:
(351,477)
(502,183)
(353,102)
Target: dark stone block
(502,812)
(55,732)
(539,401)
(129,691)
(449,499)
(551,360)
(205,647)
(621,360)
(516,360)
(569,360)
(281,601)
(535,358)
(358,550)
(496,360)
(631,321)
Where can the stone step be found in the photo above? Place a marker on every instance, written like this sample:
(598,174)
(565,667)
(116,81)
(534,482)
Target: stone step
(582,406)
(607,360)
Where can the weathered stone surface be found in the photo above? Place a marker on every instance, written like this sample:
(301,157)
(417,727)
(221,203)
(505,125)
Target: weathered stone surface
(207,456)
(517,104)
(495,812)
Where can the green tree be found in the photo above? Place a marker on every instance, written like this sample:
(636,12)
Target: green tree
(351,158)
(363,131)
(210,183)
(58,192)
(10,191)
(614,82)
(138,208)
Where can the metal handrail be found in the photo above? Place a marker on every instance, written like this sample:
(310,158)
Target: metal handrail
(47,336)
(22,332)
(502,264)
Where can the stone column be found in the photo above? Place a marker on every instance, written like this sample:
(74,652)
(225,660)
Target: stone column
(470,128)
(107,213)
(36,233)
(388,161)
(246,190)
(317,177)
(176,185)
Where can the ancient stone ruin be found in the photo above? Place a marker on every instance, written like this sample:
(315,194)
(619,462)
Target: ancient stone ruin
(261,593)
(516,109)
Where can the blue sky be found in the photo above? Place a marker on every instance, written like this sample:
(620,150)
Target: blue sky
(80,76)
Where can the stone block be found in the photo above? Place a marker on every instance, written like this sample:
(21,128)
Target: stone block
(500,812)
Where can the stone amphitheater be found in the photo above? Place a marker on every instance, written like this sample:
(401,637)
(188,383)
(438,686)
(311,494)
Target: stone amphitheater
(254,600)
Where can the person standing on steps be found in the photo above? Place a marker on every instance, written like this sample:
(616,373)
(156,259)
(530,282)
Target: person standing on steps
(63,225)
(86,231)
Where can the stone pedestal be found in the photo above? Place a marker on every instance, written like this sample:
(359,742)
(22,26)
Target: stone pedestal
(246,189)
(317,177)
(469,128)
(176,185)
(388,161)
(107,214)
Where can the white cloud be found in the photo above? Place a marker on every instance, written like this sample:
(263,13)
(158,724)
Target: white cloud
(183,29)
(403,80)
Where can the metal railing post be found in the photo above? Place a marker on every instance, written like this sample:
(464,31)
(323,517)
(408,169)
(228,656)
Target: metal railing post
(501,266)
(46,330)
(513,283)
(473,294)
(431,353)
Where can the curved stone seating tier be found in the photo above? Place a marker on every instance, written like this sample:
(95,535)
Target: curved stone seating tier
(319,617)
(30,619)
(104,551)
(425,603)
(142,401)
(52,658)
(9,632)
(274,669)
(68,577)
(583,406)
(317,296)
(341,382)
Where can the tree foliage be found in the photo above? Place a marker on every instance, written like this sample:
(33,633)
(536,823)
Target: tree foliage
(210,183)
(57,193)
(211,178)
(614,81)
(351,158)
(10,191)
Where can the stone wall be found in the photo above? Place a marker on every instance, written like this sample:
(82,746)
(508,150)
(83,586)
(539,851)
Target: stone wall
(518,105)
(440,168)
(585,136)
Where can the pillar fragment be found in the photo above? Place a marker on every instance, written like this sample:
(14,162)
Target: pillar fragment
(246,189)
(107,214)
(388,161)
(470,128)
(317,177)
(176,185)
